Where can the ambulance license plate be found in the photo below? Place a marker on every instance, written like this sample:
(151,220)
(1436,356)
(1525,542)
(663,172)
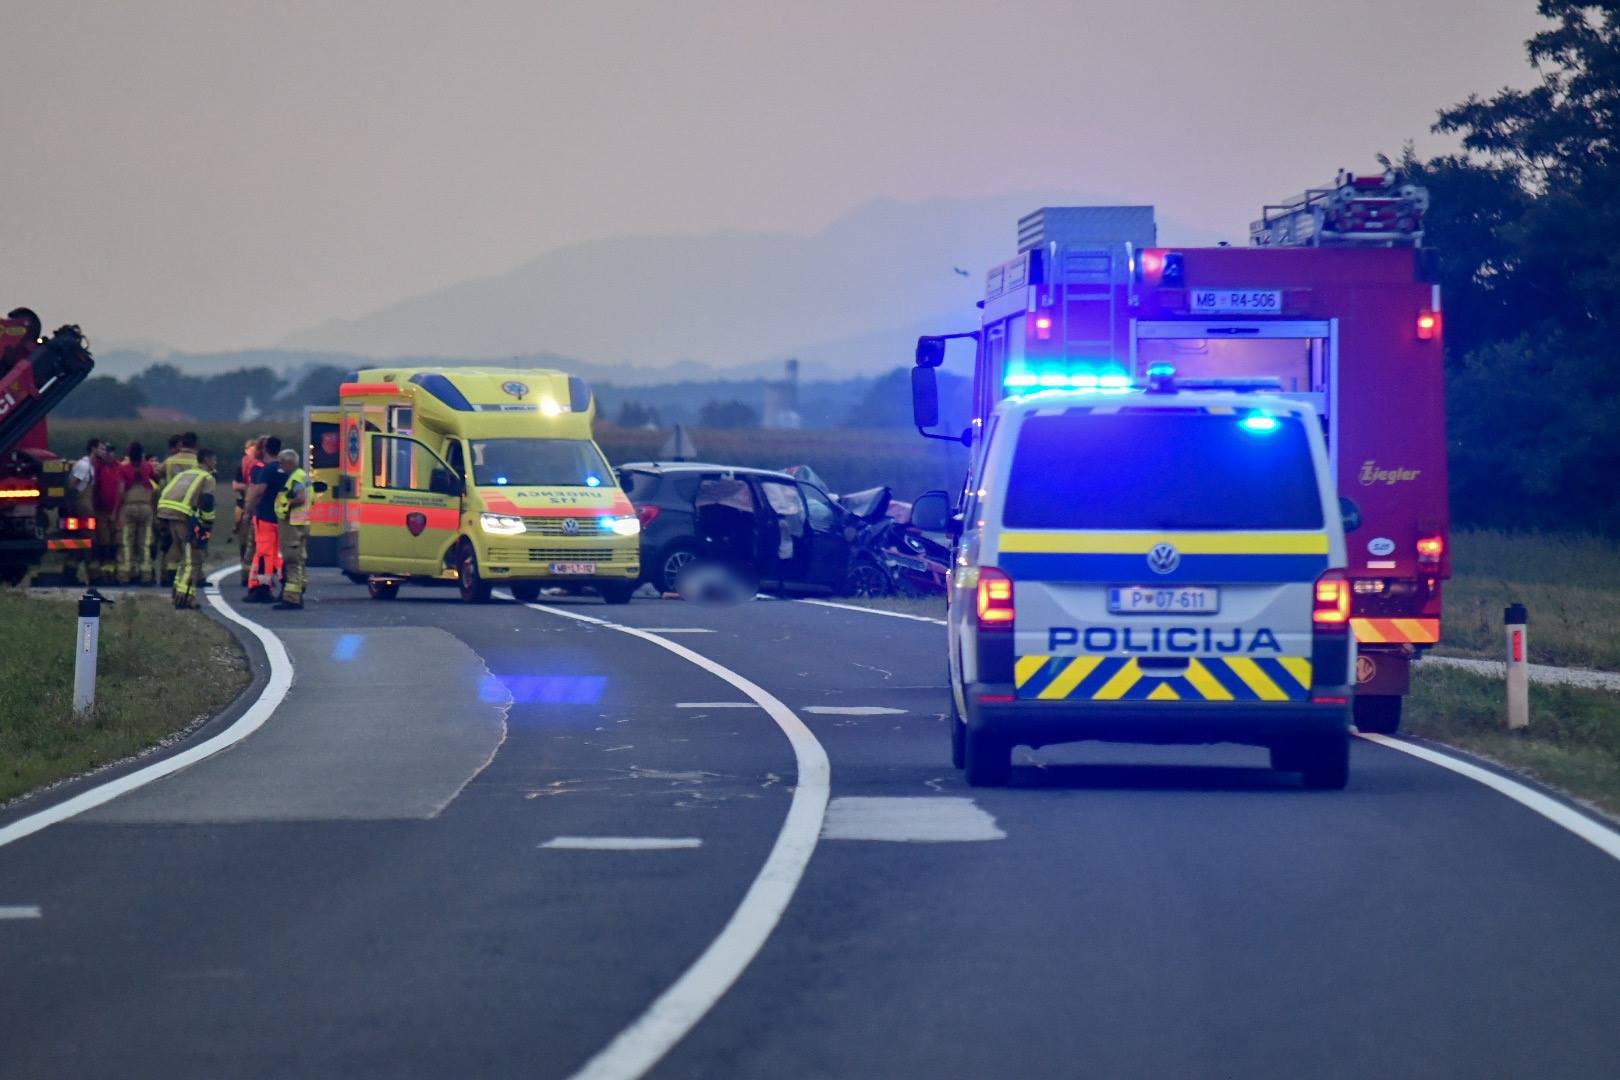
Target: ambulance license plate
(573,568)
(1149,600)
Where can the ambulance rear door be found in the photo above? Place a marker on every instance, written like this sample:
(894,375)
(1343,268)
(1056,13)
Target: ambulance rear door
(323,459)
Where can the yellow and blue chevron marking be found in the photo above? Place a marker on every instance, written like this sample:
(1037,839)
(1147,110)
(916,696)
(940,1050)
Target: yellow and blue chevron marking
(1206,558)
(1120,678)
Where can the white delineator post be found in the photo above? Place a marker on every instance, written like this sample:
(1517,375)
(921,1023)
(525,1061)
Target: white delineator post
(85,646)
(1516,620)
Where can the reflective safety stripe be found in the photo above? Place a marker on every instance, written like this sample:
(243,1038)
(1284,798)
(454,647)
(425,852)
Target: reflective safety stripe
(1382,631)
(180,494)
(1205,678)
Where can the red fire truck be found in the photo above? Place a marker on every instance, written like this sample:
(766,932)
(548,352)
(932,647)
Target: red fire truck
(1331,300)
(35,374)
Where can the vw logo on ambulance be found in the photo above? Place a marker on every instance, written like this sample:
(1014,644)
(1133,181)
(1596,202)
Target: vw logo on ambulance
(1163,559)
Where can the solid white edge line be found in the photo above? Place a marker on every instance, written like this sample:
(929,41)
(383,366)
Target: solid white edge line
(1599,836)
(280,681)
(677,1010)
(20,911)
(873,611)
(622,843)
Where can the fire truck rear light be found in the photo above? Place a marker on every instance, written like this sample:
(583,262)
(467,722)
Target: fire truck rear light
(19,493)
(1330,610)
(1427,323)
(1430,548)
(995,598)
(1369,586)
(647,515)
(1042,325)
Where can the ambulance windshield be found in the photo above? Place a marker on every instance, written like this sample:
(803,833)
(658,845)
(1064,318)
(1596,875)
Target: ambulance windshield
(538,463)
(1162,469)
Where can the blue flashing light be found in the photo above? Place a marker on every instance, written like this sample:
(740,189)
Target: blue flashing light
(593,481)
(1114,382)
(1020,380)
(500,480)
(1084,382)
(1259,423)
(1054,381)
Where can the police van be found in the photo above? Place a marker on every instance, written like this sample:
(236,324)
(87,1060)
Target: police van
(1158,565)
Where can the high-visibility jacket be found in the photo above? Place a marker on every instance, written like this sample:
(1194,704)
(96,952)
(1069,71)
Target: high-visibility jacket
(285,510)
(188,495)
(177,463)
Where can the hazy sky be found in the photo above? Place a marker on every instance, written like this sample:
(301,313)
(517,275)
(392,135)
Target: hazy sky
(216,174)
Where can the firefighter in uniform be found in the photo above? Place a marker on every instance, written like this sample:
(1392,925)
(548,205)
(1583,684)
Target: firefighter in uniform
(292,525)
(182,458)
(186,509)
(135,518)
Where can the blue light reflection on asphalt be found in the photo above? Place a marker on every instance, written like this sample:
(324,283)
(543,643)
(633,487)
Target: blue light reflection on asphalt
(346,647)
(542,689)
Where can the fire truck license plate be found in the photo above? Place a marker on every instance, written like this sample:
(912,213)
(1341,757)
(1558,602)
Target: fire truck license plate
(573,568)
(1147,600)
(1230,301)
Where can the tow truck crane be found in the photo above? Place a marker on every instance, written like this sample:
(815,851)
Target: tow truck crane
(1333,300)
(36,373)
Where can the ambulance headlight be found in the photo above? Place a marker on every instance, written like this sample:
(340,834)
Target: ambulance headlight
(501,524)
(623,526)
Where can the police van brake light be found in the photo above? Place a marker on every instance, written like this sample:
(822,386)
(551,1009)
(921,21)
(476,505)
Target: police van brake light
(1331,608)
(501,524)
(995,598)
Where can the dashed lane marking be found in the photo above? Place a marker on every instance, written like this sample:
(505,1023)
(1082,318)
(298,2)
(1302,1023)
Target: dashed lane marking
(852,710)
(679,629)
(19,911)
(920,820)
(622,843)
(275,689)
(639,1047)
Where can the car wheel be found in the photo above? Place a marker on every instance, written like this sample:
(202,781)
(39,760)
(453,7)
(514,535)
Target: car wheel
(1378,714)
(617,592)
(987,758)
(867,578)
(474,589)
(383,590)
(667,570)
(1326,764)
(526,592)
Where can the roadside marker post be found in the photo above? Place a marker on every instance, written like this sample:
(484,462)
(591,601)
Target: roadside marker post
(1516,620)
(86,645)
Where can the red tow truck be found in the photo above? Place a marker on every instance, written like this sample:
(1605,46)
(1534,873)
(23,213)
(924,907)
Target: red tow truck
(36,373)
(1332,299)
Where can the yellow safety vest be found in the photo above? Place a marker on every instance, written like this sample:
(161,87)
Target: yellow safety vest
(180,495)
(285,510)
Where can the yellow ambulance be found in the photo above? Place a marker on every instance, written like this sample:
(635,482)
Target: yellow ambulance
(482,477)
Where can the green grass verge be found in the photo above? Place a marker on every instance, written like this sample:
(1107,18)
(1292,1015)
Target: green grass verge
(1572,743)
(1570,585)
(159,671)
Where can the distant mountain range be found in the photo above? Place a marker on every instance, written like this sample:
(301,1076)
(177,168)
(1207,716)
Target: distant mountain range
(640,310)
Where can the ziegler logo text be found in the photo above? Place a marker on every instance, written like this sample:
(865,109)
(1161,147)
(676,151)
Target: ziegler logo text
(1372,474)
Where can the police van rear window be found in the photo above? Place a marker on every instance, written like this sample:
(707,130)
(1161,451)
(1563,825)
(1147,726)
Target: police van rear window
(1156,470)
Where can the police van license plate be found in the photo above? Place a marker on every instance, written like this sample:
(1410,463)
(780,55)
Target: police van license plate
(1148,600)
(573,568)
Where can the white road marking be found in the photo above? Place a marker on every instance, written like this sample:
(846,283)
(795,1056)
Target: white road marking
(852,710)
(923,820)
(680,629)
(1599,836)
(622,843)
(639,1047)
(19,911)
(716,705)
(275,689)
(873,611)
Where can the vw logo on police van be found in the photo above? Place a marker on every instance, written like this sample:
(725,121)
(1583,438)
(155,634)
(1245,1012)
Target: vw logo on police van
(571,526)
(1164,559)
(515,388)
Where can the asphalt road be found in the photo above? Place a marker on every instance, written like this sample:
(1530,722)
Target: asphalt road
(386,880)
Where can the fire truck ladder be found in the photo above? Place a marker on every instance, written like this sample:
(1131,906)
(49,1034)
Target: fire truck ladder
(1366,211)
(37,383)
